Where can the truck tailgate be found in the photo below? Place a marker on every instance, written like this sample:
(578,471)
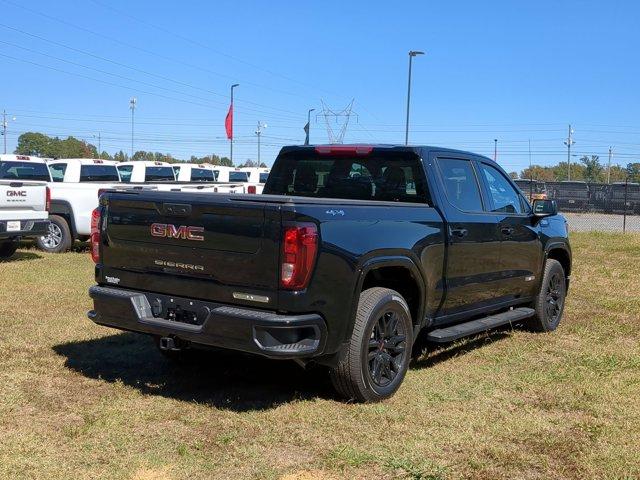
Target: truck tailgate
(23,200)
(198,246)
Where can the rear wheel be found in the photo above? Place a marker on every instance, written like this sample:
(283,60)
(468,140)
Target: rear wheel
(7,249)
(549,304)
(379,350)
(59,238)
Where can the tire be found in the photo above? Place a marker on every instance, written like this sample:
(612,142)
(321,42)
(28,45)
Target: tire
(549,304)
(59,238)
(7,249)
(379,350)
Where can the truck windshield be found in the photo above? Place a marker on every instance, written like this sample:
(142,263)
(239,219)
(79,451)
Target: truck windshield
(24,171)
(99,173)
(392,177)
(159,174)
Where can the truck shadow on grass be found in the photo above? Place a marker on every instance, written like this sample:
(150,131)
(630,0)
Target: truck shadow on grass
(226,380)
(21,256)
(222,379)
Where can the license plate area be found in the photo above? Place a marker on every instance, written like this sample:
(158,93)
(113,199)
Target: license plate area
(13,226)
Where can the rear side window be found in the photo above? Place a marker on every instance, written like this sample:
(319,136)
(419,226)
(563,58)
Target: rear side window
(504,198)
(392,177)
(263,177)
(238,177)
(202,175)
(99,173)
(159,174)
(57,171)
(24,171)
(460,184)
(125,172)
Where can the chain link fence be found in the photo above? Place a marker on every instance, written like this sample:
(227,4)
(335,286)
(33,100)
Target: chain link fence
(588,206)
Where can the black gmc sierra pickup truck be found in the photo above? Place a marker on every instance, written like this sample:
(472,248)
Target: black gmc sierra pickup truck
(349,254)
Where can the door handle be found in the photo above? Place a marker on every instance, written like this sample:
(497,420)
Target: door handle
(459,232)
(506,230)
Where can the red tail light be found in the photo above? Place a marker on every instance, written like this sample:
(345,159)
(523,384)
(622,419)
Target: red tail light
(251,189)
(95,235)
(299,249)
(47,200)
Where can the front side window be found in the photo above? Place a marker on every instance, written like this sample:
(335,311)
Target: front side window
(503,197)
(460,184)
(99,173)
(24,171)
(125,172)
(57,171)
(263,177)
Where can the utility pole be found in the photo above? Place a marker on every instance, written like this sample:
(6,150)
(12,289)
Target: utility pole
(495,149)
(259,133)
(530,173)
(132,106)
(412,53)
(568,142)
(4,129)
(5,124)
(609,165)
(99,146)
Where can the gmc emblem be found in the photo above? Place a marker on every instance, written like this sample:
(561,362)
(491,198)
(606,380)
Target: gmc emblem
(184,232)
(16,193)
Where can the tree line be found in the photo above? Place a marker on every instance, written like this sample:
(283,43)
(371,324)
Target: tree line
(587,169)
(41,145)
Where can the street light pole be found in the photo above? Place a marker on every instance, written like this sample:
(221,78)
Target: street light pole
(308,129)
(412,53)
(231,144)
(132,106)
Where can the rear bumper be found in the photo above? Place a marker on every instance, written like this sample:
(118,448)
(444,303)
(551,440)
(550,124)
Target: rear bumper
(205,323)
(27,229)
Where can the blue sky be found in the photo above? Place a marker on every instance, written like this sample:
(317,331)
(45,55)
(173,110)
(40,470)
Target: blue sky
(515,71)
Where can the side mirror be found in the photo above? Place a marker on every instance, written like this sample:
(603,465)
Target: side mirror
(544,208)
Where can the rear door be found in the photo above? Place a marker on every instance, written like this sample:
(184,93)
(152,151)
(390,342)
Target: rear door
(520,245)
(22,201)
(212,247)
(473,256)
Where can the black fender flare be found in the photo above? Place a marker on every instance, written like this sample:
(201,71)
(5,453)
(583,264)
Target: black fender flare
(63,208)
(377,262)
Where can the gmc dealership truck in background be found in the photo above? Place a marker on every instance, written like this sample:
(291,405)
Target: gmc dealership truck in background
(350,254)
(24,201)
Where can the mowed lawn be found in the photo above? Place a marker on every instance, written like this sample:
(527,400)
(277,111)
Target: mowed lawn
(81,401)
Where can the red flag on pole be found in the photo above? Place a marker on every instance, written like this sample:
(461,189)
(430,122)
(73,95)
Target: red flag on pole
(228,122)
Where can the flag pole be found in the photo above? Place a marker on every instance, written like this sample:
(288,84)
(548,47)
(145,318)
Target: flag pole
(231,130)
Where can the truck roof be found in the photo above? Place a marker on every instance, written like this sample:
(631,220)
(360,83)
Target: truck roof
(147,163)
(10,157)
(83,161)
(362,149)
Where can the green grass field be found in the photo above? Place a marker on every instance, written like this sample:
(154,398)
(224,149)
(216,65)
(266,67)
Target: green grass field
(81,401)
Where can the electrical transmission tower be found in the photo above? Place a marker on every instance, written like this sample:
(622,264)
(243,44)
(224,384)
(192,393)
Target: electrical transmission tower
(336,135)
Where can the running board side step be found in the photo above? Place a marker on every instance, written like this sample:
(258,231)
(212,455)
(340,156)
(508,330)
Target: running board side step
(449,334)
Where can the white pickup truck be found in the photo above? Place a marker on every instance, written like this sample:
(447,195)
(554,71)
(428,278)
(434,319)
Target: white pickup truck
(75,187)
(195,178)
(24,199)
